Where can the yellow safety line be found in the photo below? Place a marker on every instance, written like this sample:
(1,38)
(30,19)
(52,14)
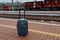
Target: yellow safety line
(32,30)
(47,33)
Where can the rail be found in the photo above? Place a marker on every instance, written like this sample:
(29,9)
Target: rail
(16,12)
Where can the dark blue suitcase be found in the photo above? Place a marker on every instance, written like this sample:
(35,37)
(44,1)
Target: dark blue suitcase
(22,27)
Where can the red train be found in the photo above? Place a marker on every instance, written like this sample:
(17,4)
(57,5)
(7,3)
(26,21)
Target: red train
(6,7)
(33,5)
(46,5)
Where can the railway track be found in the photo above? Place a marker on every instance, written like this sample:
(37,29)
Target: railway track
(33,15)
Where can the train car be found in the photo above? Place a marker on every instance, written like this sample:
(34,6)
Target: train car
(6,8)
(50,5)
(34,5)
(29,5)
(46,5)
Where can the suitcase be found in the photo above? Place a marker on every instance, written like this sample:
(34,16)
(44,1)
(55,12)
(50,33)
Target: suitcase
(22,27)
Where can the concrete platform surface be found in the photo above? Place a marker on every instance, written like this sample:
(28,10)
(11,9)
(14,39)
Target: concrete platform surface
(37,30)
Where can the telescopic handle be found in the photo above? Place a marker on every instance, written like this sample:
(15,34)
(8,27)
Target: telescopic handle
(24,13)
(20,14)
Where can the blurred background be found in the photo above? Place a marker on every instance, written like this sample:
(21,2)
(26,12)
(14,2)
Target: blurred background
(41,5)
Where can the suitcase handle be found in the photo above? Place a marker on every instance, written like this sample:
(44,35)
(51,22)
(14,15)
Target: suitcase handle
(20,13)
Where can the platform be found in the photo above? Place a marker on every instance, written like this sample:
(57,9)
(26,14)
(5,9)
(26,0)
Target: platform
(37,30)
